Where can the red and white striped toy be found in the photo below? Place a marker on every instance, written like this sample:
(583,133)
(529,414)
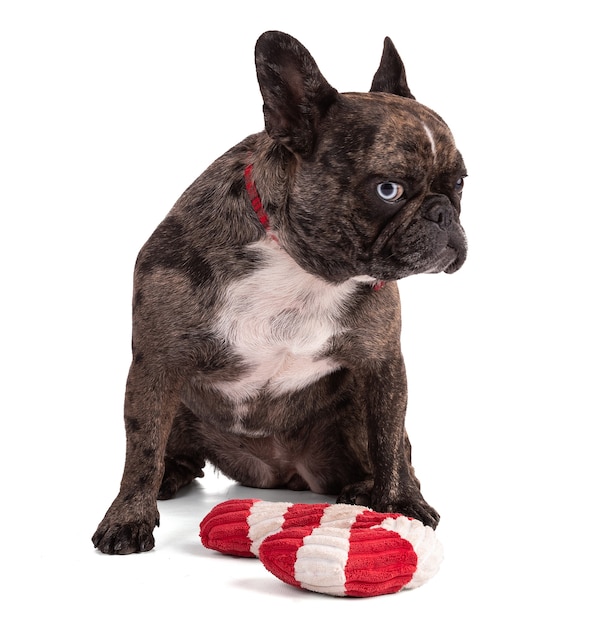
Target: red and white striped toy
(336,549)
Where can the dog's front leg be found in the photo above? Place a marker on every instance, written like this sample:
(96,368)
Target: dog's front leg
(150,405)
(395,486)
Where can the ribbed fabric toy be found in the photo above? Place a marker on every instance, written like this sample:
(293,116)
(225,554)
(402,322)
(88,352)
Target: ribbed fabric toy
(336,549)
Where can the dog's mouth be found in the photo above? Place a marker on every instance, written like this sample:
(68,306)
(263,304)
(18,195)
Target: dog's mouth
(453,253)
(400,257)
(450,261)
(453,267)
(458,244)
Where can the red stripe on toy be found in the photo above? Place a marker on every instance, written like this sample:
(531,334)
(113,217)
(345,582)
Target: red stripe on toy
(226,528)
(278,552)
(380,561)
(304,515)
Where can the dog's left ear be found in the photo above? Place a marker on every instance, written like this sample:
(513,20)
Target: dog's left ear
(391,76)
(296,95)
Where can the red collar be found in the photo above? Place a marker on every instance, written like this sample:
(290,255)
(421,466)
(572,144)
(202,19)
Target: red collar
(252,192)
(256,201)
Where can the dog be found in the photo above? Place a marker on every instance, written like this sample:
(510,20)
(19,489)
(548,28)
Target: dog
(266,314)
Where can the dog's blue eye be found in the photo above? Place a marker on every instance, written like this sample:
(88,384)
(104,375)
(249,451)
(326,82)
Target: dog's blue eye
(459,185)
(390,192)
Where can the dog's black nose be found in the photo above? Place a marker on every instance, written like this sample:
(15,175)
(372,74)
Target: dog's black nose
(439,210)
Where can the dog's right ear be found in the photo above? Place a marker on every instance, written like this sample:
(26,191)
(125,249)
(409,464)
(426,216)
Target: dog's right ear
(296,95)
(391,76)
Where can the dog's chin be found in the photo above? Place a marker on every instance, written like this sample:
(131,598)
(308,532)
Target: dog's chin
(453,267)
(448,262)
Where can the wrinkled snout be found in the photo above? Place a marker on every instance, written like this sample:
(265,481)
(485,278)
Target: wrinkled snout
(438,209)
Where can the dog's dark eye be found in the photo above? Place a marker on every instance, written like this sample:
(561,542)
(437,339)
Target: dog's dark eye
(390,192)
(459,185)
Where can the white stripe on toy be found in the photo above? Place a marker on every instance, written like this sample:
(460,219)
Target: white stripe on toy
(328,543)
(425,544)
(265,519)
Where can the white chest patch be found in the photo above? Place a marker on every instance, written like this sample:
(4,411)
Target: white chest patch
(279,320)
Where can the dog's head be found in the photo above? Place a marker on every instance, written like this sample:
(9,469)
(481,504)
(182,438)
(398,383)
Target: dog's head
(375,178)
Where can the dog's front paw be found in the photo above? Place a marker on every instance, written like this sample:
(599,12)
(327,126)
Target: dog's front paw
(119,534)
(411,504)
(123,539)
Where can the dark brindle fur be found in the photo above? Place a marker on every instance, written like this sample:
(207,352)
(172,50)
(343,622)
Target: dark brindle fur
(279,362)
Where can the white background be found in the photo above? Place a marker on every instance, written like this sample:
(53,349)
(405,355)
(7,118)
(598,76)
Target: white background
(110,109)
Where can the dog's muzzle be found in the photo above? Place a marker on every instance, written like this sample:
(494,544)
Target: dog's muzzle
(439,210)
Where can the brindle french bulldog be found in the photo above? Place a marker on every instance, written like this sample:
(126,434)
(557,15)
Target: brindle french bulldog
(266,314)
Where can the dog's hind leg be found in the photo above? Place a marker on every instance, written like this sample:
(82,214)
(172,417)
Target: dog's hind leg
(184,460)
